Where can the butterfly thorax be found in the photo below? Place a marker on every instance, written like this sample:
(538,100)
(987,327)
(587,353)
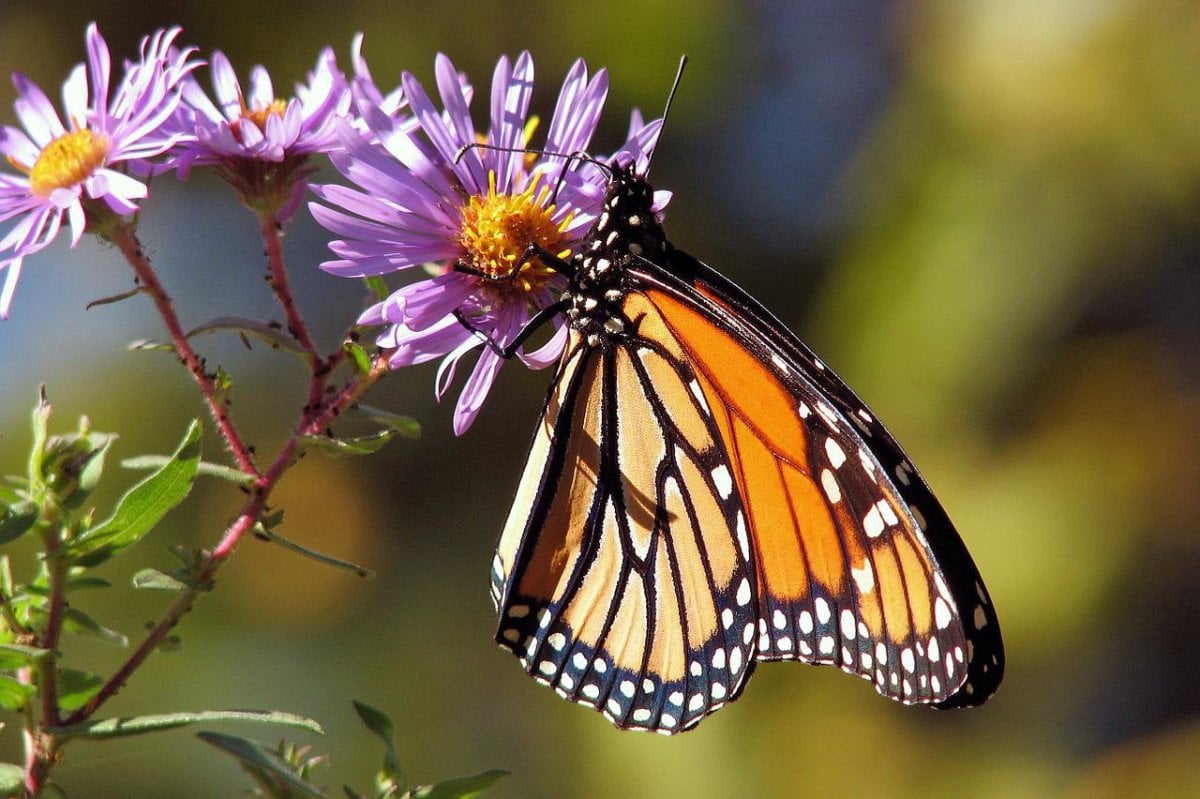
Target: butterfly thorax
(626,233)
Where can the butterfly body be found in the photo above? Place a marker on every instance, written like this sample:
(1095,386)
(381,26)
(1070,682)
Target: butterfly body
(703,493)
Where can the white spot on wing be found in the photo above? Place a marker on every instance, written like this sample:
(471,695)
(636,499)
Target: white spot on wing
(873,522)
(864,577)
(829,485)
(834,450)
(723,481)
(698,393)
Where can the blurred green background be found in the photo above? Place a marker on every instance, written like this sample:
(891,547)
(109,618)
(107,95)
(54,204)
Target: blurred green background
(986,216)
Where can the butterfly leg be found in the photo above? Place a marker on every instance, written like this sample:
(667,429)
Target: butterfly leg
(508,351)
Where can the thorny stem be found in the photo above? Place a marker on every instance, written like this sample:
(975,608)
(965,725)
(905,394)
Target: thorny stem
(277,279)
(126,240)
(314,421)
(317,414)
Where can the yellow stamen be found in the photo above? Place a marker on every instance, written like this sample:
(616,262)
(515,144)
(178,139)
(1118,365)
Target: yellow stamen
(259,115)
(66,161)
(497,228)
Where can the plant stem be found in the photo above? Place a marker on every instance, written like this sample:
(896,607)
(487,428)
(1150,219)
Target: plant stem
(314,422)
(280,283)
(126,240)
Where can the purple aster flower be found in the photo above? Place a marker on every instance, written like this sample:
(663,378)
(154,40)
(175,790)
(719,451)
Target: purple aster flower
(73,171)
(259,142)
(467,214)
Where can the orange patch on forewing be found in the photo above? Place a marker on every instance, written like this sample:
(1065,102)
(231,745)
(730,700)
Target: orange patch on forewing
(692,579)
(649,323)
(823,545)
(770,516)
(560,540)
(744,383)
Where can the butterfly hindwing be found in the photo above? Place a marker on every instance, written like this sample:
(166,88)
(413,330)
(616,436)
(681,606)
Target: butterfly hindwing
(620,579)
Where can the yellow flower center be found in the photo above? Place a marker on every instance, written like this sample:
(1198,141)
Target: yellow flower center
(259,115)
(66,161)
(497,229)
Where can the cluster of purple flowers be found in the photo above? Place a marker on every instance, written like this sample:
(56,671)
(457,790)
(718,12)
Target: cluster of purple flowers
(429,187)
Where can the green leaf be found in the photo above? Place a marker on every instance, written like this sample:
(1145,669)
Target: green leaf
(158,581)
(78,622)
(381,725)
(274,335)
(114,298)
(361,445)
(14,656)
(79,583)
(143,506)
(266,533)
(147,345)
(76,687)
(14,694)
(260,760)
(460,787)
(404,425)
(206,469)
(12,780)
(138,725)
(17,521)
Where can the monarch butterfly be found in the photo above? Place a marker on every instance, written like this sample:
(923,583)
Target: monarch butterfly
(703,493)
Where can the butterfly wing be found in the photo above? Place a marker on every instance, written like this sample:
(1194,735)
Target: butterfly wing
(857,563)
(624,577)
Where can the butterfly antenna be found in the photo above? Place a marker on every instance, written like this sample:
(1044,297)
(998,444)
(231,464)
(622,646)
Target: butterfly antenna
(683,59)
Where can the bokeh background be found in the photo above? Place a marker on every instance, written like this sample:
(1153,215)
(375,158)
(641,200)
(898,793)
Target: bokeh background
(984,215)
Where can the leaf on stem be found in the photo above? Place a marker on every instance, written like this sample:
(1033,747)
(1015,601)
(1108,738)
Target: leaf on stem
(206,469)
(272,334)
(14,656)
(158,581)
(263,763)
(76,687)
(78,622)
(263,531)
(114,298)
(12,780)
(381,725)
(13,693)
(404,425)
(16,520)
(143,506)
(359,445)
(138,725)
(460,787)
